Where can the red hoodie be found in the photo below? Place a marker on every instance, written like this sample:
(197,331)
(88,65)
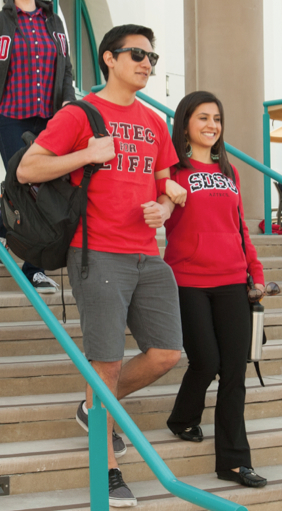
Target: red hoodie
(204,243)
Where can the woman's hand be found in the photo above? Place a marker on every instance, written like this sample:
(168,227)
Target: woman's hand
(261,287)
(176,193)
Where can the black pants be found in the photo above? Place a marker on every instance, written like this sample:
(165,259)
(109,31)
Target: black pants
(216,336)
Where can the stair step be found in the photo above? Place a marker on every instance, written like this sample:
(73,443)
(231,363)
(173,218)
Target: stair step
(152,496)
(265,239)
(24,338)
(269,250)
(63,463)
(14,304)
(57,373)
(53,416)
(271,262)
(18,373)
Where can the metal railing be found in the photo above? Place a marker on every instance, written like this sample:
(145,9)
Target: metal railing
(261,167)
(99,492)
(266,160)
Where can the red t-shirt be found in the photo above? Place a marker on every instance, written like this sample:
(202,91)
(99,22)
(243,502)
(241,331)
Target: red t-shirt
(204,243)
(115,221)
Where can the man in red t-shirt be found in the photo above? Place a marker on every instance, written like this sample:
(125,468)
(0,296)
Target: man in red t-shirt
(130,196)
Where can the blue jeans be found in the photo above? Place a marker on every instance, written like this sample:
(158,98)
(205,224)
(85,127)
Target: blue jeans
(11,131)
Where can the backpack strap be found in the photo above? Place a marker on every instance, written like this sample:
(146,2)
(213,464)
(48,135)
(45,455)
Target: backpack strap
(256,364)
(99,130)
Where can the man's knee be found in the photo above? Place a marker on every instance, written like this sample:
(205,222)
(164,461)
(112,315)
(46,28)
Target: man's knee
(108,371)
(163,360)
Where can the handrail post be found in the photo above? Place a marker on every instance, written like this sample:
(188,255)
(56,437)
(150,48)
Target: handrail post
(266,161)
(55,6)
(98,450)
(169,125)
(78,44)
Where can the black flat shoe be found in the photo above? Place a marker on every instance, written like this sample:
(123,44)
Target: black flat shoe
(246,477)
(193,434)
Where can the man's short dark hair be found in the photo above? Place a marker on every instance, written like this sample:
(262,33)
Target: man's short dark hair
(114,40)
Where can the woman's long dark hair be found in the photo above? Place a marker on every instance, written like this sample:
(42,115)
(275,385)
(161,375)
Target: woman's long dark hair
(183,113)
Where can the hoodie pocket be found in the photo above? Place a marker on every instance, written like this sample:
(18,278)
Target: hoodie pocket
(217,253)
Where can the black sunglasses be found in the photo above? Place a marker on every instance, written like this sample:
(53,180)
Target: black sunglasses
(138,55)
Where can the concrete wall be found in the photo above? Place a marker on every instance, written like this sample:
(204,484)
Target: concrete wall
(224,55)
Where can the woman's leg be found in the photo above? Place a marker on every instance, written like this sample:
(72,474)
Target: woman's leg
(231,314)
(201,348)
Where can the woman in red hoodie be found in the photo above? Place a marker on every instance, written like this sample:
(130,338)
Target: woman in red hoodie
(205,252)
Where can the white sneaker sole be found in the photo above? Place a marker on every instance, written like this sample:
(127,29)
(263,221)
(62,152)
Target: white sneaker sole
(120,453)
(46,290)
(122,502)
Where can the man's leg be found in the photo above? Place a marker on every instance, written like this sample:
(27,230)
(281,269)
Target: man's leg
(154,320)
(144,369)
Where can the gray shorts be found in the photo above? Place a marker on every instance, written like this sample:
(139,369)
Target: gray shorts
(122,289)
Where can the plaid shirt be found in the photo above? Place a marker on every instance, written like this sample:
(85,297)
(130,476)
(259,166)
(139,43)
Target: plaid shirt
(29,87)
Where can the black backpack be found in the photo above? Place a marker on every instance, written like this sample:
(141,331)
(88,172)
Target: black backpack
(41,220)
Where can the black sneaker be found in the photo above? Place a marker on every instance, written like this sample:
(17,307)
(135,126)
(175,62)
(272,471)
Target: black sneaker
(118,443)
(44,284)
(193,434)
(119,493)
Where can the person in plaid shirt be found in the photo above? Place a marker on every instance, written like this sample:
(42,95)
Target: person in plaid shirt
(35,82)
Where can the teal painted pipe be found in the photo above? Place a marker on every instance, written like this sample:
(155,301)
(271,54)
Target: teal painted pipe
(92,42)
(98,450)
(169,125)
(163,473)
(272,102)
(253,163)
(266,161)
(78,44)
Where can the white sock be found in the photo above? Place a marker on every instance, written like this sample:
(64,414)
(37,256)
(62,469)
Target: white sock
(84,408)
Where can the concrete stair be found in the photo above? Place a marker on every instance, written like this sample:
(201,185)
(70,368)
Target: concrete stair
(43,451)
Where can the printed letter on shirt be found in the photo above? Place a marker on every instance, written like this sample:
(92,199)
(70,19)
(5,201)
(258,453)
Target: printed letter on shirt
(63,42)
(5,42)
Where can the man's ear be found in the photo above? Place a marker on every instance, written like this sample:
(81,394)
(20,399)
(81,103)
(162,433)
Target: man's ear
(108,59)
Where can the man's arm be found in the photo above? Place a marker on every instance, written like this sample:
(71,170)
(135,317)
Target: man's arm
(156,213)
(39,164)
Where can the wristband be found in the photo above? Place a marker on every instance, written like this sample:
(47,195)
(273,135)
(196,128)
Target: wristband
(161,186)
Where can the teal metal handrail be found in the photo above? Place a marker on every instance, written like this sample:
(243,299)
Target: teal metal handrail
(97,425)
(92,41)
(262,167)
(266,160)
(81,10)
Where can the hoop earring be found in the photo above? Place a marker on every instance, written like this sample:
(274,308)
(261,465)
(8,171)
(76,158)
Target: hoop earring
(189,150)
(214,157)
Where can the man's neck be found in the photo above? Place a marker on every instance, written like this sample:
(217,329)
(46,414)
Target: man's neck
(26,5)
(117,95)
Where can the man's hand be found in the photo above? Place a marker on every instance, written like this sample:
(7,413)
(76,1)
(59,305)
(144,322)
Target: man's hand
(100,150)
(176,193)
(155,214)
